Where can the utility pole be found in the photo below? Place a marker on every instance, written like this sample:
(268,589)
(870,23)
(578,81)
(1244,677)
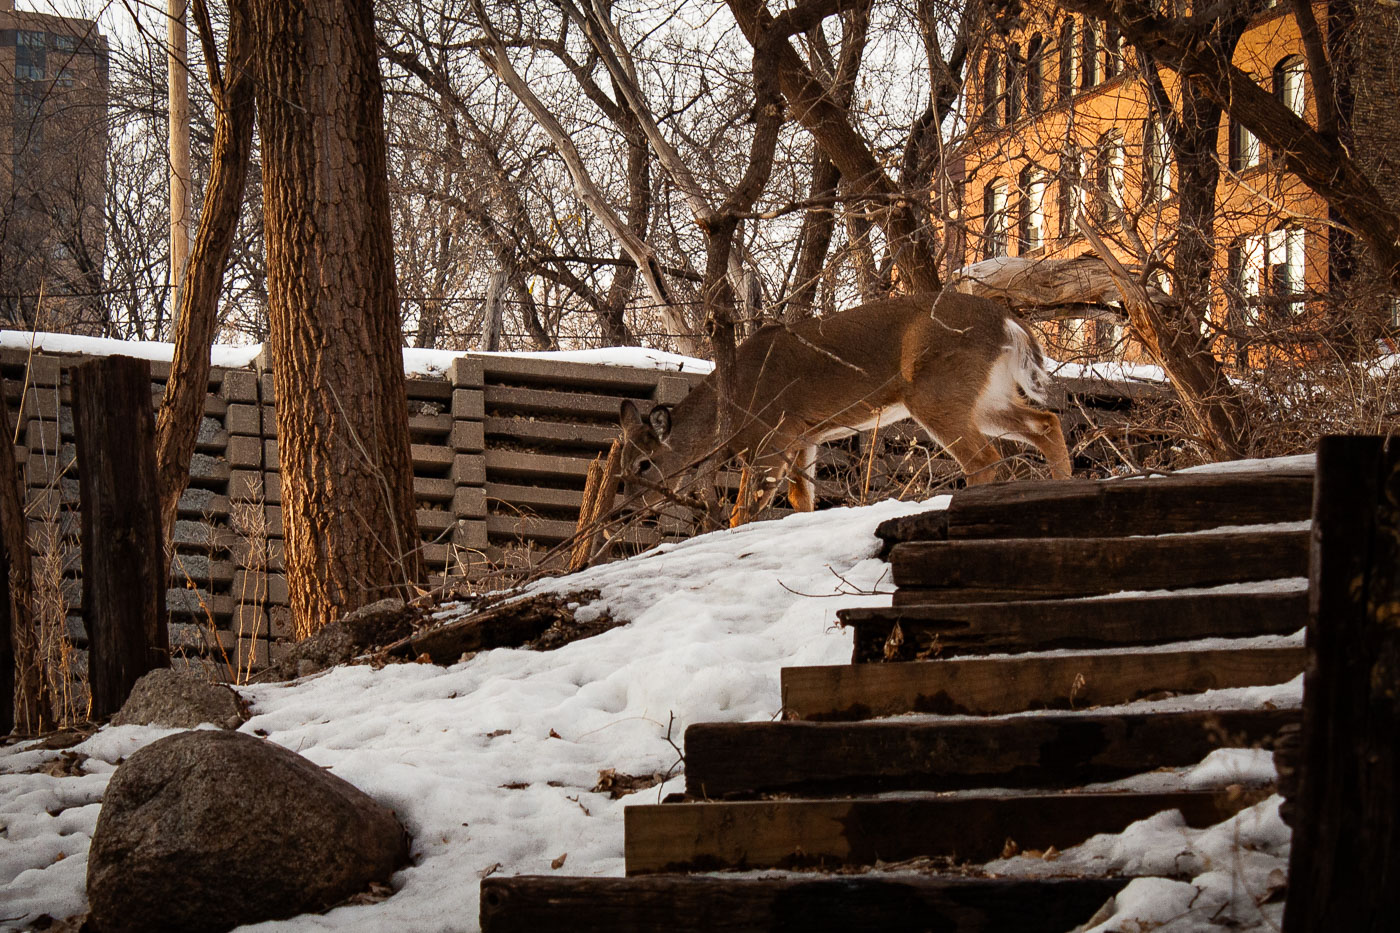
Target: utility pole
(179,70)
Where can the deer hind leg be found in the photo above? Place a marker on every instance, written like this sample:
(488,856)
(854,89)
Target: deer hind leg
(963,440)
(1037,427)
(801,489)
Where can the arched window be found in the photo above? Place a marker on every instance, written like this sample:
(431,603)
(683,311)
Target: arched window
(991,89)
(1156,161)
(1089,56)
(1069,60)
(994,232)
(1289,85)
(1035,74)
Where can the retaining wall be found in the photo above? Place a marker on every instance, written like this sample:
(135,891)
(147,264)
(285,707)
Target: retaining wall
(501,448)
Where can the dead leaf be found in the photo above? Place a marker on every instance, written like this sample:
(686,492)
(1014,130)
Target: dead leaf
(488,872)
(554,735)
(516,785)
(1010,849)
(893,642)
(559,862)
(617,785)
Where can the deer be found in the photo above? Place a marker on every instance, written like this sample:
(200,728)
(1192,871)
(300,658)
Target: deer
(966,369)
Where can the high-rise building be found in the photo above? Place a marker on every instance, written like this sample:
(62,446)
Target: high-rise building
(53,148)
(1063,121)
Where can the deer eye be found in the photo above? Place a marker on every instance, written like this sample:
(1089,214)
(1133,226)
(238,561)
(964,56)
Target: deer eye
(642,466)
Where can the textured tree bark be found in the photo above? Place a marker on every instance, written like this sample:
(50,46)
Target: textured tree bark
(124,574)
(22,679)
(177,421)
(1346,837)
(342,420)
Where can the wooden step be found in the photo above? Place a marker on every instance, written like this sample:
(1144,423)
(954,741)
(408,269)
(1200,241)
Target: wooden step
(1078,508)
(748,835)
(990,687)
(903,903)
(1049,750)
(1046,625)
(933,572)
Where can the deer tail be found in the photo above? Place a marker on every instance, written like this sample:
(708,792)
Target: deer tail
(1028,363)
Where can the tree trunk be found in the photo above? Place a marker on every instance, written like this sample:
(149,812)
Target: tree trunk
(29,687)
(124,574)
(342,420)
(178,73)
(177,422)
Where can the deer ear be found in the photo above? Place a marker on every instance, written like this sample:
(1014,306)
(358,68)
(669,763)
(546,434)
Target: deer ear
(630,417)
(660,420)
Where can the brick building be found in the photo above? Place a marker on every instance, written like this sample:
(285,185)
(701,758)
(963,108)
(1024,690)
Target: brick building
(1059,122)
(53,100)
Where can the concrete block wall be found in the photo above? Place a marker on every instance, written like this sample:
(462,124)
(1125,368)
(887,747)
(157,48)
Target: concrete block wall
(501,449)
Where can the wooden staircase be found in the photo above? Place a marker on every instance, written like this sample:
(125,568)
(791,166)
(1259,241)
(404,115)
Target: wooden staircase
(878,817)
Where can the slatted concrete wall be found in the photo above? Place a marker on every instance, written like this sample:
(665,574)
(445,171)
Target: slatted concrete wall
(501,448)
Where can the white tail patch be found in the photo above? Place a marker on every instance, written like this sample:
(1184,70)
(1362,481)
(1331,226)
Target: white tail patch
(1018,371)
(1028,365)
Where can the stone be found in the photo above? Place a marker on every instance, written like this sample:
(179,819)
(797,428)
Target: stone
(352,634)
(207,830)
(180,699)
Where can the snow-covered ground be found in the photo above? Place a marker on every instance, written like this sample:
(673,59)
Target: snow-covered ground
(712,621)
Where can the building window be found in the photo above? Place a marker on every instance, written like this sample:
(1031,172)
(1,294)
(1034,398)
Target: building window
(30,49)
(1156,161)
(1284,259)
(1013,84)
(1070,198)
(1244,147)
(1035,74)
(1069,63)
(1109,164)
(65,77)
(994,232)
(1288,84)
(1112,52)
(63,43)
(991,89)
(1031,215)
(1089,56)
(1246,267)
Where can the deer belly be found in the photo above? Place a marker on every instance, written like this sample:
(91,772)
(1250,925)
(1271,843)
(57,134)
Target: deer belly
(878,419)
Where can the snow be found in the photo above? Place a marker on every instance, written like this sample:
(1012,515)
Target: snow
(416,362)
(490,762)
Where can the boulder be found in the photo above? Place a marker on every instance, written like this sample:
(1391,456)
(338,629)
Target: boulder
(351,635)
(207,830)
(180,699)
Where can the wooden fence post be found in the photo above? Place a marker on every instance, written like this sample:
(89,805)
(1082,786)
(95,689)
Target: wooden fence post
(124,575)
(25,681)
(1344,871)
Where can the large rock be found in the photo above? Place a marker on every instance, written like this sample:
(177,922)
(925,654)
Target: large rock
(351,635)
(179,699)
(208,830)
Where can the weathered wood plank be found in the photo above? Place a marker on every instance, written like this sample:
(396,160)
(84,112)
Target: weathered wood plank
(1048,750)
(983,687)
(1344,871)
(1078,508)
(889,903)
(1044,625)
(758,834)
(123,555)
(1037,568)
